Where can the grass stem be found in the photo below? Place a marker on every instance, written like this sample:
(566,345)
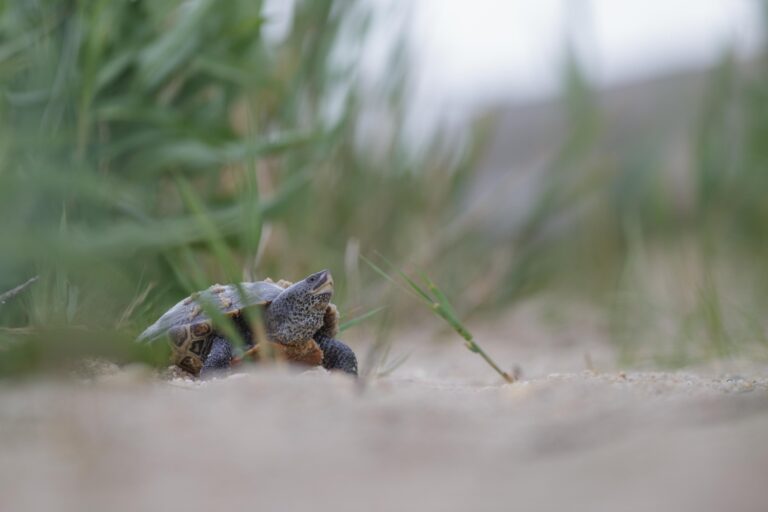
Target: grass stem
(431,295)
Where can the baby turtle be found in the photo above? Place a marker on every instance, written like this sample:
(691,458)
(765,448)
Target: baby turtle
(298,318)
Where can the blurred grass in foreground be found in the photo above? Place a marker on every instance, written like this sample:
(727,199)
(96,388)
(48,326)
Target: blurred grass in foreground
(670,244)
(151,148)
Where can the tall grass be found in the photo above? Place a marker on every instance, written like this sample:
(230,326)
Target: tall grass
(151,148)
(674,254)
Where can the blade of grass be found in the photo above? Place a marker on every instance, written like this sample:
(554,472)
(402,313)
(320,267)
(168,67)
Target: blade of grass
(407,279)
(359,319)
(220,249)
(389,367)
(389,278)
(378,350)
(441,298)
(138,300)
(163,233)
(442,308)
(208,228)
(223,255)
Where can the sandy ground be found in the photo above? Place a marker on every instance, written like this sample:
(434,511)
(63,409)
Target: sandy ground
(440,434)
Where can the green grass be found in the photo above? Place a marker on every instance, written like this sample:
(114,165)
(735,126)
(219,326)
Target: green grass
(152,148)
(435,299)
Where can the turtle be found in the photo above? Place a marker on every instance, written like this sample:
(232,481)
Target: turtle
(299,321)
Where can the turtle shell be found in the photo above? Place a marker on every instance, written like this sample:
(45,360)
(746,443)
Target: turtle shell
(229,299)
(189,328)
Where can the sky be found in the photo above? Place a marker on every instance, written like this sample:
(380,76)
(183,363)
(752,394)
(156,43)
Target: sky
(470,49)
(469,53)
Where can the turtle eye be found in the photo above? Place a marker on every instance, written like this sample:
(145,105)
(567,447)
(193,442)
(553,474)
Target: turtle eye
(312,279)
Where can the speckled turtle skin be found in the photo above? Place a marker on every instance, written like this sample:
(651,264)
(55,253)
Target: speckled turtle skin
(298,319)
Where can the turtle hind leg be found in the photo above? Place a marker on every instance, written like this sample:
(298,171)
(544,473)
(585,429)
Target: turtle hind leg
(337,355)
(219,358)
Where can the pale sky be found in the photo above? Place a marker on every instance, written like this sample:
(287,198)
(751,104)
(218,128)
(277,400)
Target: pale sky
(468,48)
(470,52)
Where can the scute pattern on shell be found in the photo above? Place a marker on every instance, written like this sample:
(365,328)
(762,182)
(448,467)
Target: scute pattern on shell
(226,297)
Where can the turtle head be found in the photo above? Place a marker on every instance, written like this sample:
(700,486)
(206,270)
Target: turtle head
(297,313)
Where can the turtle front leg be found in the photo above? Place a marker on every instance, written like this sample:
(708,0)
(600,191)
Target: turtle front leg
(337,355)
(218,359)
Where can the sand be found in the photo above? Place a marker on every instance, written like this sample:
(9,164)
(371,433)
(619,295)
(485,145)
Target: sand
(442,433)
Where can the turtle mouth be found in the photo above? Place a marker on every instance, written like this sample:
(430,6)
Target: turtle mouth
(324,283)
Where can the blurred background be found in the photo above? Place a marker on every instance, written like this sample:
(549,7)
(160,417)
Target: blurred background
(583,152)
